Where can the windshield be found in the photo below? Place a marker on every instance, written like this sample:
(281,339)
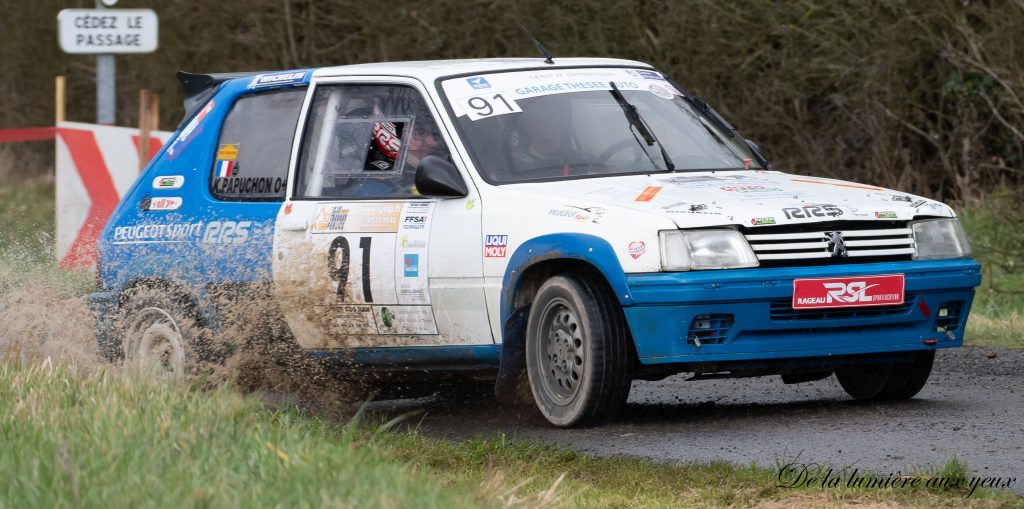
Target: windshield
(569,123)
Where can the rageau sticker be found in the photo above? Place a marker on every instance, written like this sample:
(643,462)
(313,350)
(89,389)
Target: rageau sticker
(841,292)
(169,182)
(277,79)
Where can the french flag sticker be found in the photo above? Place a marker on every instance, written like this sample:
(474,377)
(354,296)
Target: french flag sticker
(224,168)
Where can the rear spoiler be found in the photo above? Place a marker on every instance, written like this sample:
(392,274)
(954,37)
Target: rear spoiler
(199,88)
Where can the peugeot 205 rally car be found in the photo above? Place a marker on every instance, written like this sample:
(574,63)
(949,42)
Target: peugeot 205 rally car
(573,226)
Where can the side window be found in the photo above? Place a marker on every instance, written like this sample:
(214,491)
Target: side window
(251,162)
(366,141)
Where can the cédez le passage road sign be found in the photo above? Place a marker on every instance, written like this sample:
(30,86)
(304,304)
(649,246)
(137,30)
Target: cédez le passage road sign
(95,31)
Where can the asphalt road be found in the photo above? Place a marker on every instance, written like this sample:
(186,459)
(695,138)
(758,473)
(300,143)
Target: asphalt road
(971,408)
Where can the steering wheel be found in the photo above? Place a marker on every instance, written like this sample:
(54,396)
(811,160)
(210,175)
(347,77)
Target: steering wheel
(619,146)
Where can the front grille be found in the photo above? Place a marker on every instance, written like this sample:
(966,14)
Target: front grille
(709,329)
(831,243)
(783,310)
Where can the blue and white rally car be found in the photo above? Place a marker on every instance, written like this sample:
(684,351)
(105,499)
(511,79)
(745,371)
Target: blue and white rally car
(574,226)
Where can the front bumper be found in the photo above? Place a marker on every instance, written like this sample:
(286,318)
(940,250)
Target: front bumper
(745,314)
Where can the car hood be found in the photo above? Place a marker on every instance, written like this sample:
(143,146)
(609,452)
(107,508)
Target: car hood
(751,198)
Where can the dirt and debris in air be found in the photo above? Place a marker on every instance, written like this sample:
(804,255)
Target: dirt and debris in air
(41,322)
(37,322)
(254,349)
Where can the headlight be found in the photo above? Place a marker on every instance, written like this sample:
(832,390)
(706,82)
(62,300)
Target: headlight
(704,249)
(940,238)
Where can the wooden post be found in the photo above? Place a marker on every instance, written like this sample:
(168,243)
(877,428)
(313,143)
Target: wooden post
(58,99)
(149,119)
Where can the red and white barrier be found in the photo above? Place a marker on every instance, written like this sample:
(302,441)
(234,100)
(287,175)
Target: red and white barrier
(96,165)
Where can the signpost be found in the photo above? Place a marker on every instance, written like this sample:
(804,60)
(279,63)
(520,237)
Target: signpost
(105,32)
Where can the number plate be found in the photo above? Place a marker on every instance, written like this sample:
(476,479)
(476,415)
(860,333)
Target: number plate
(848,292)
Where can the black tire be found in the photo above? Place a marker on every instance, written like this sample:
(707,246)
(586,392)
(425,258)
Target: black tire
(160,330)
(579,355)
(887,381)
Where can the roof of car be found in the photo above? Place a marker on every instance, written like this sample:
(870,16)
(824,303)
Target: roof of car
(428,70)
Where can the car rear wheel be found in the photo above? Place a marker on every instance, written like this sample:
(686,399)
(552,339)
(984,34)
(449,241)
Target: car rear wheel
(890,381)
(578,354)
(159,334)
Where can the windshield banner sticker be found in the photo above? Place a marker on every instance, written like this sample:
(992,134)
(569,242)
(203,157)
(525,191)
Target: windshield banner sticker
(496,94)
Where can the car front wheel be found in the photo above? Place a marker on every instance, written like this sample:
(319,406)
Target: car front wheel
(578,353)
(887,381)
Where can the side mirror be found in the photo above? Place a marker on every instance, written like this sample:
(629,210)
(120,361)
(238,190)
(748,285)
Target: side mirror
(437,177)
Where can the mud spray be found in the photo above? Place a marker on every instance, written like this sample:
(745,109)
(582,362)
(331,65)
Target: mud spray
(44,317)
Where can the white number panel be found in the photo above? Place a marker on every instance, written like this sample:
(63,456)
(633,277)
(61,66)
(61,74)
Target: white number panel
(358,271)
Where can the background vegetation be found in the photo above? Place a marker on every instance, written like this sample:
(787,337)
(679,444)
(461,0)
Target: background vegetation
(926,96)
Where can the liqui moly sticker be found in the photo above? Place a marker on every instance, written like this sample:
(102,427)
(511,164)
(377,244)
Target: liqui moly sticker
(495,246)
(847,292)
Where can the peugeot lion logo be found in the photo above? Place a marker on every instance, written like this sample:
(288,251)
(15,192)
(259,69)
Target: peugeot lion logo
(836,244)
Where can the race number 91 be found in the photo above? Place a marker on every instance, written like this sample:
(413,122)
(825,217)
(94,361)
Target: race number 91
(489,105)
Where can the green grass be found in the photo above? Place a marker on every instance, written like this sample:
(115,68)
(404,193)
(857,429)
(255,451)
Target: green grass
(995,230)
(117,439)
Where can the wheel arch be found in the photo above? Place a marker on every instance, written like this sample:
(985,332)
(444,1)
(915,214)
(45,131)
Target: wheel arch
(530,265)
(179,291)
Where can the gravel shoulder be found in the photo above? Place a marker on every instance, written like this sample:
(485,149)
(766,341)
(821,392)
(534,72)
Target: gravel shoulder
(972,408)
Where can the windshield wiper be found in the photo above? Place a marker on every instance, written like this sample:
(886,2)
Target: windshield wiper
(705,110)
(635,120)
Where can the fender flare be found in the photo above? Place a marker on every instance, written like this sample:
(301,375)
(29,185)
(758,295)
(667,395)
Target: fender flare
(558,246)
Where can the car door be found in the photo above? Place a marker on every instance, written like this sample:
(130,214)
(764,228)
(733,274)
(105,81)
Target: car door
(361,259)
